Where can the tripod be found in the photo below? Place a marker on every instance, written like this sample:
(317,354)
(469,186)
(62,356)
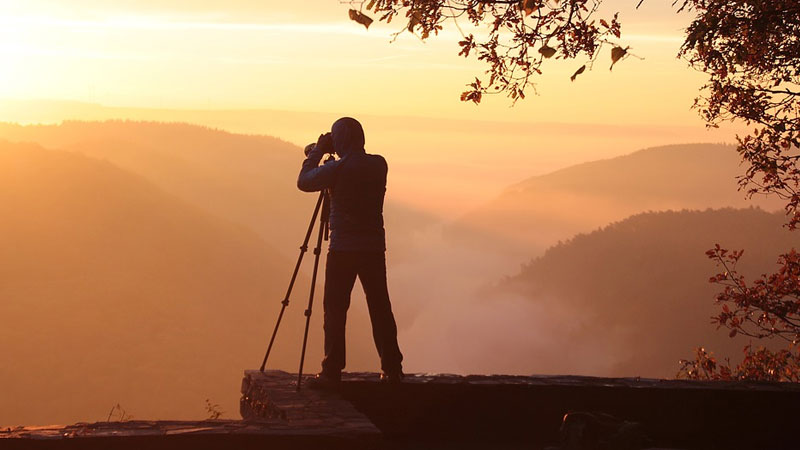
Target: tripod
(323,203)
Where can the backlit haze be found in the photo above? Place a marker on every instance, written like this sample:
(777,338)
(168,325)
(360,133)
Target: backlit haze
(476,196)
(308,57)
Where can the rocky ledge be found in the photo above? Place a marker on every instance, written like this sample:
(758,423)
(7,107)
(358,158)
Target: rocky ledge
(440,411)
(536,412)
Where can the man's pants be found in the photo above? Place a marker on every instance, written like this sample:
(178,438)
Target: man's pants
(340,275)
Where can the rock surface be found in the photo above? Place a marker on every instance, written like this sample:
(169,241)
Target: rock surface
(441,411)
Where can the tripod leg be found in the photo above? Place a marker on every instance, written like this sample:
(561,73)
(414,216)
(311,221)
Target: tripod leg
(317,252)
(285,302)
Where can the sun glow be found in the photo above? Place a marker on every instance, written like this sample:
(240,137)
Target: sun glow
(308,60)
(148,229)
(304,59)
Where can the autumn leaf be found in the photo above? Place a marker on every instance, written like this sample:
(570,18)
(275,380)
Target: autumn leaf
(361,18)
(547,51)
(617,53)
(415,19)
(528,6)
(466,45)
(578,72)
(471,96)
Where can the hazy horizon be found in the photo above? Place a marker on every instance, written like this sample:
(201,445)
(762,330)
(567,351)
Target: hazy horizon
(459,158)
(149,153)
(440,281)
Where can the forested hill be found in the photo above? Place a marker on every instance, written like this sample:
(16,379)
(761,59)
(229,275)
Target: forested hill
(114,291)
(538,212)
(248,179)
(636,292)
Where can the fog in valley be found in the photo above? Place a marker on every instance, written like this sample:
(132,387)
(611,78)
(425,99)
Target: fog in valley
(143,263)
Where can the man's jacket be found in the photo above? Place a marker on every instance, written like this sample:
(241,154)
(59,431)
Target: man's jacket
(357,184)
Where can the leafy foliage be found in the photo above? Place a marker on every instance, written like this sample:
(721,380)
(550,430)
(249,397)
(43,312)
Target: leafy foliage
(522,34)
(760,364)
(363,19)
(751,51)
(631,291)
(769,307)
(749,48)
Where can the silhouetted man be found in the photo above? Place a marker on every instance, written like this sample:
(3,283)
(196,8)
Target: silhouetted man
(357,184)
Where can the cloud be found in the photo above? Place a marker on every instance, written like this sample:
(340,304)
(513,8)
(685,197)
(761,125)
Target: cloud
(172,23)
(666,38)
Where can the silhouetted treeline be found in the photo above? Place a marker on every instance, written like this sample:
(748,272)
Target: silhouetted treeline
(638,289)
(144,263)
(532,215)
(248,179)
(114,291)
(147,262)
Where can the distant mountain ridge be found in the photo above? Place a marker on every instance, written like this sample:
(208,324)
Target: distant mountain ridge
(148,214)
(246,179)
(249,179)
(233,221)
(538,212)
(115,291)
(637,290)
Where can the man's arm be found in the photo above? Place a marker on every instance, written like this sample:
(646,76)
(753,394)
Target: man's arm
(314,177)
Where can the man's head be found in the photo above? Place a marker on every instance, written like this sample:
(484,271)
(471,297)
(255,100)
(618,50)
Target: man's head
(348,136)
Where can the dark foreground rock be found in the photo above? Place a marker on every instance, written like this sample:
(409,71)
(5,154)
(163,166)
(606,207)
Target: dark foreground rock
(440,412)
(169,434)
(451,411)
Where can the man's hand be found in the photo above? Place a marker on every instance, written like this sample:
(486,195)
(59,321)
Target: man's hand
(313,176)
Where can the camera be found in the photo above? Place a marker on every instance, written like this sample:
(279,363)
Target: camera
(325,142)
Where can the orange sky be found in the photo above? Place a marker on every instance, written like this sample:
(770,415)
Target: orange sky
(289,69)
(309,57)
